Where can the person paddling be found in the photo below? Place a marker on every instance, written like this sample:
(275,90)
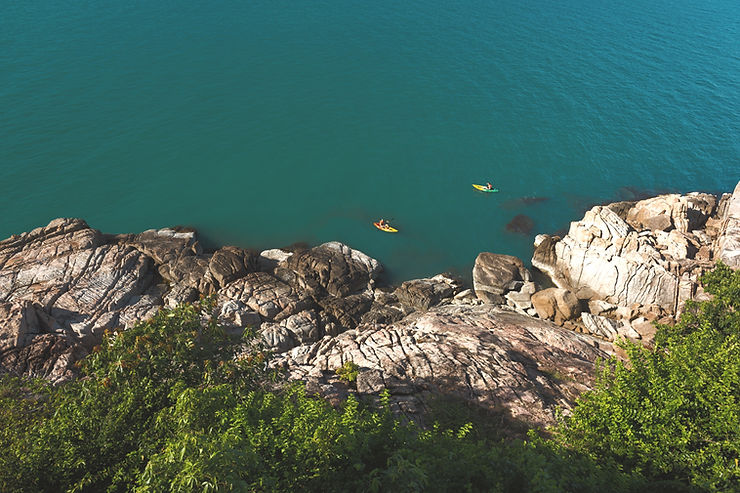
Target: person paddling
(489,186)
(382,223)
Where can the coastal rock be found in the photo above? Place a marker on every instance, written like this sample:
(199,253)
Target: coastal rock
(556,304)
(79,285)
(262,293)
(230,263)
(603,257)
(599,326)
(728,242)
(269,259)
(329,269)
(385,309)
(48,356)
(300,328)
(180,294)
(163,245)
(347,312)
(490,357)
(190,271)
(494,275)
(665,212)
(19,324)
(236,316)
(421,294)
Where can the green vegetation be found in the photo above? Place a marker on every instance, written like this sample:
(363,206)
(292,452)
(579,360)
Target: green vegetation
(173,404)
(348,372)
(673,411)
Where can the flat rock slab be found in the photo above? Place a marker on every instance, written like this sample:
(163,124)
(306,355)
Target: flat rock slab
(495,358)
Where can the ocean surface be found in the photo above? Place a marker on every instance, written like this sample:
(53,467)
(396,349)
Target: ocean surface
(265,123)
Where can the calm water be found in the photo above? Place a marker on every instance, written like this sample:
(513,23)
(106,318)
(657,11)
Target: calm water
(263,123)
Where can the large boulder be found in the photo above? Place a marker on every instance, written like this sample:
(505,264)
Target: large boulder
(556,304)
(262,293)
(300,328)
(163,245)
(230,263)
(495,274)
(346,312)
(329,269)
(421,294)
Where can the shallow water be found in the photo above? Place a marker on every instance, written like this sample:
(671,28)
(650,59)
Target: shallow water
(266,123)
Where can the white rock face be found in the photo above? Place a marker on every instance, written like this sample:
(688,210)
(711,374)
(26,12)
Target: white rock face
(269,259)
(728,243)
(651,255)
(604,257)
(666,212)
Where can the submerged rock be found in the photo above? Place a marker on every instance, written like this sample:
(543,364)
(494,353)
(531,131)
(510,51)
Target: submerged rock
(521,224)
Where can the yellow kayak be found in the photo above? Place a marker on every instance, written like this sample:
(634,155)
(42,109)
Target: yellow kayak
(484,188)
(386,228)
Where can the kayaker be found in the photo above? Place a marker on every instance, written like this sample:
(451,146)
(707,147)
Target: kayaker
(382,223)
(489,186)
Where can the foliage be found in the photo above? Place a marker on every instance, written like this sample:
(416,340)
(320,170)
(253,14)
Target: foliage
(672,412)
(348,371)
(174,405)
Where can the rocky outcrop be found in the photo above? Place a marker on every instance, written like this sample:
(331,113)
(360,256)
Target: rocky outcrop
(728,241)
(621,268)
(672,212)
(633,263)
(604,257)
(490,356)
(61,286)
(79,285)
(330,269)
(494,275)
(421,294)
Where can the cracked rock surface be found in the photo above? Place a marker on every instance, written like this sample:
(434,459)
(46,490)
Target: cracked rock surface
(486,355)
(651,252)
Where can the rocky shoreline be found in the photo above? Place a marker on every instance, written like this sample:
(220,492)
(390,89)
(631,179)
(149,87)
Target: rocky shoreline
(505,344)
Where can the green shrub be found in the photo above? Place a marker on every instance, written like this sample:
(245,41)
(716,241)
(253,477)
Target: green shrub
(672,412)
(348,372)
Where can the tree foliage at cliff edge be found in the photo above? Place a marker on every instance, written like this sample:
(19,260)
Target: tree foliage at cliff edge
(672,411)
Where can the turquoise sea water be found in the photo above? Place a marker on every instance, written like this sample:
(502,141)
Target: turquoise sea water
(266,123)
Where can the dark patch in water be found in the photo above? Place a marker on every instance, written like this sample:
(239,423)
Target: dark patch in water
(523,201)
(520,224)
